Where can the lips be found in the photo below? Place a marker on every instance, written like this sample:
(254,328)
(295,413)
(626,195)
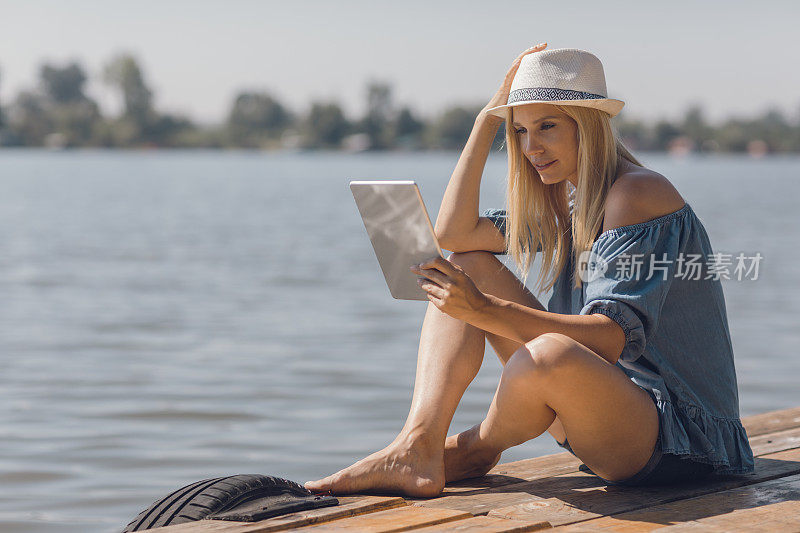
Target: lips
(545,166)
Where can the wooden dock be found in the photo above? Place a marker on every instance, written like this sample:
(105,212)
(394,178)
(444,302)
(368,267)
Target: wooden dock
(550,492)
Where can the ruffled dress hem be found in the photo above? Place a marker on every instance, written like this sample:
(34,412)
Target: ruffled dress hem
(686,428)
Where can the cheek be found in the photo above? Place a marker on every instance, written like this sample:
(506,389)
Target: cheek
(564,143)
(569,144)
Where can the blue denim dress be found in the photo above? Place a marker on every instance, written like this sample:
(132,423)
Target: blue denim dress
(677,341)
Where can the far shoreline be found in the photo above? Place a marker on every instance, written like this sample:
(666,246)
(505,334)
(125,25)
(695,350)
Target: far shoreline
(368,153)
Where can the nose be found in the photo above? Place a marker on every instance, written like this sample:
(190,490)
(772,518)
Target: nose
(532,146)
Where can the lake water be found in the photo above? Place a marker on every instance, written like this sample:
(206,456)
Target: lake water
(168,317)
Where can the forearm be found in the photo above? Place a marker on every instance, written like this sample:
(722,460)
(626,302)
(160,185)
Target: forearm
(458,213)
(508,319)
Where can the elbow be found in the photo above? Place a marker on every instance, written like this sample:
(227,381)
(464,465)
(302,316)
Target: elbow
(614,347)
(615,352)
(613,339)
(447,242)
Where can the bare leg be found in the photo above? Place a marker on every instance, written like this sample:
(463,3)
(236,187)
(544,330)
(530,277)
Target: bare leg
(463,454)
(449,357)
(611,422)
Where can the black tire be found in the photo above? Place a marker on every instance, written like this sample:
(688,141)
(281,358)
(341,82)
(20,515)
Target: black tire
(217,497)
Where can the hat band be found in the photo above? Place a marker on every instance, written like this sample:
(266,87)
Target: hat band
(550,94)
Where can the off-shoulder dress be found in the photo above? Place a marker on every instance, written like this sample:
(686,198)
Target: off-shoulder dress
(677,341)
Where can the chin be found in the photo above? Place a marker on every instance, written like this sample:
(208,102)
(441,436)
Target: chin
(551,180)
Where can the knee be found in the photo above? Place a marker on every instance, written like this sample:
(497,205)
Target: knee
(547,357)
(478,264)
(474,259)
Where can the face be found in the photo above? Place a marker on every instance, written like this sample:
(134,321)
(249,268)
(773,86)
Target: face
(549,139)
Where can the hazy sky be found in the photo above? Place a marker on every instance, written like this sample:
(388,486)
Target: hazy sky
(732,57)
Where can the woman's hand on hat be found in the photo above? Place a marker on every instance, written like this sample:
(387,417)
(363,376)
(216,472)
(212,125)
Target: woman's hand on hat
(449,288)
(501,96)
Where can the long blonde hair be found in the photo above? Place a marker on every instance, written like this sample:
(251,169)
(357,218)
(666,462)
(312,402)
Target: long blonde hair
(539,214)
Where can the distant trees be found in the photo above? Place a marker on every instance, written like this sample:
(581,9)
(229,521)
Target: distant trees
(452,128)
(256,119)
(140,124)
(123,73)
(29,122)
(73,116)
(407,129)
(57,112)
(63,85)
(325,126)
(771,132)
(376,124)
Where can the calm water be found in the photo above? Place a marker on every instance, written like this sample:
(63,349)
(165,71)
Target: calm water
(167,317)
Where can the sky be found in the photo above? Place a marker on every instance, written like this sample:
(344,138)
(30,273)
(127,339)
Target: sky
(732,58)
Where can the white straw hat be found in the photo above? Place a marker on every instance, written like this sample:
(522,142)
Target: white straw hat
(563,76)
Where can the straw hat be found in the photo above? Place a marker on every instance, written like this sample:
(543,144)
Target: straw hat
(563,76)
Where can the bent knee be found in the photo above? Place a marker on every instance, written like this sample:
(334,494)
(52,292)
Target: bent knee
(532,366)
(478,264)
(552,354)
(472,259)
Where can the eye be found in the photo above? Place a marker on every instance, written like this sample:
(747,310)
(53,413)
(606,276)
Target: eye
(547,126)
(520,130)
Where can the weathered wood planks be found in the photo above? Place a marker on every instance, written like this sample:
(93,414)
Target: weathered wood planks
(400,519)
(486,524)
(771,421)
(769,506)
(579,496)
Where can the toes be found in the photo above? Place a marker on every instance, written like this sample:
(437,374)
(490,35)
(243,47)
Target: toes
(320,485)
(342,483)
(329,484)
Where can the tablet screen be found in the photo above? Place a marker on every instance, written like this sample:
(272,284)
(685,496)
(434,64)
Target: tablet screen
(401,232)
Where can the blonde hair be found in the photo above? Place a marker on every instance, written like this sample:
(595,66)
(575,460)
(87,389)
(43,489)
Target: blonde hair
(539,214)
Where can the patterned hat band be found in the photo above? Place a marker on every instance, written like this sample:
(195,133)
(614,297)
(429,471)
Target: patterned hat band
(551,94)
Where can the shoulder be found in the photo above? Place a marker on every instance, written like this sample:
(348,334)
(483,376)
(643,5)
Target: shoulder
(639,195)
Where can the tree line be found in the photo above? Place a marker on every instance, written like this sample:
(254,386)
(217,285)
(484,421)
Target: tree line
(58,113)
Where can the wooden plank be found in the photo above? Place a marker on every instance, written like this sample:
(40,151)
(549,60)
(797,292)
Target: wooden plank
(580,496)
(348,506)
(745,508)
(772,421)
(775,442)
(485,524)
(400,519)
(517,471)
(775,518)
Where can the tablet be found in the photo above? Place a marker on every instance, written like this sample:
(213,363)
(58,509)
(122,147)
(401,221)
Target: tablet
(400,230)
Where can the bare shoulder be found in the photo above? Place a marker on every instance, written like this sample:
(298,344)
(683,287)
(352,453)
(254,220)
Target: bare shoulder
(639,195)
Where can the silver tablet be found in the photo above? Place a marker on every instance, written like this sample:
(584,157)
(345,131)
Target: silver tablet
(400,230)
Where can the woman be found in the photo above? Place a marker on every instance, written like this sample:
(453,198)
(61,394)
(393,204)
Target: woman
(633,373)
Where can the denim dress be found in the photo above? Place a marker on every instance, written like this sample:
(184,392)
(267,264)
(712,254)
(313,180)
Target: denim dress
(677,342)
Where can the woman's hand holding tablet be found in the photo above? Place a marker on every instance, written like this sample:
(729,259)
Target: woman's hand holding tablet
(450,289)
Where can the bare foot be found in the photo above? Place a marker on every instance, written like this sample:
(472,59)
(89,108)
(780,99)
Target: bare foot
(406,470)
(465,456)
